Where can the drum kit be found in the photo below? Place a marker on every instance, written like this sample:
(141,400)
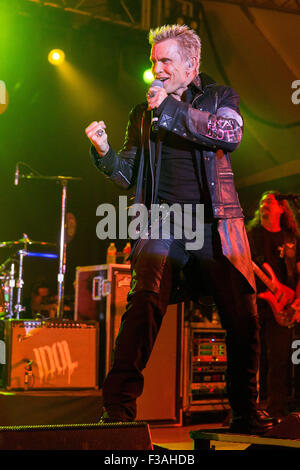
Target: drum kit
(12,273)
(11,279)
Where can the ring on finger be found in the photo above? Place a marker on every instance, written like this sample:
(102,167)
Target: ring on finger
(100,132)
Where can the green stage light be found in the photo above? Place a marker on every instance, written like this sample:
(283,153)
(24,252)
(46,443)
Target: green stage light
(56,57)
(148,76)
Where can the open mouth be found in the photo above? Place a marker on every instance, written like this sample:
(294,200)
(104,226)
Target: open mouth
(163,79)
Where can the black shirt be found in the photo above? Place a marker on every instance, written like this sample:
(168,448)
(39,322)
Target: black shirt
(273,248)
(178,180)
(182,179)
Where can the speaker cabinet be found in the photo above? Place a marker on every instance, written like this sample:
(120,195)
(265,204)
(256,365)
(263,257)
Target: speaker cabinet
(50,355)
(118,436)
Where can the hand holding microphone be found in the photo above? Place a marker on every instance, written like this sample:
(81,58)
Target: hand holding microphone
(156,94)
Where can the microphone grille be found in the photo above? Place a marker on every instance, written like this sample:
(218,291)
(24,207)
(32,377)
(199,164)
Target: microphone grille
(158,83)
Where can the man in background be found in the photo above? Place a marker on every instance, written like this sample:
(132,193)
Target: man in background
(274,239)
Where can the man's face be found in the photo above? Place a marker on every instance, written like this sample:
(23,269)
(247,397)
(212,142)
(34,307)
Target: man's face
(169,67)
(43,291)
(270,207)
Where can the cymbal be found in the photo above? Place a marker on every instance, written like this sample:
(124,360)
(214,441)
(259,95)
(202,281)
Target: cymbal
(25,241)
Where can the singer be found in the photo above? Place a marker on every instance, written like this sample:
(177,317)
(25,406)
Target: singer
(184,158)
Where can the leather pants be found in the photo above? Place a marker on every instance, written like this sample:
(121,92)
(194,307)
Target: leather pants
(158,266)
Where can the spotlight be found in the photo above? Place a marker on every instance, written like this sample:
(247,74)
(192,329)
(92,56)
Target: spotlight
(56,57)
(148,76)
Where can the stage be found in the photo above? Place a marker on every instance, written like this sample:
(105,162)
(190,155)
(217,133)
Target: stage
(42,408)
(79,411)
(178,438)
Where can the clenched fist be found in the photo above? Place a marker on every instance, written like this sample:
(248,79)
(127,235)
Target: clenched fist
(98,137)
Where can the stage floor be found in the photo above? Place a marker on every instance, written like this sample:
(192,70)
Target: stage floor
(178,437)
(19,408)
(23,408)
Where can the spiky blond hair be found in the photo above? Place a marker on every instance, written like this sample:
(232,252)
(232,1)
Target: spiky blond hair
(188,41)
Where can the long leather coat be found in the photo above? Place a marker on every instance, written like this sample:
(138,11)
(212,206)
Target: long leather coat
(213,122)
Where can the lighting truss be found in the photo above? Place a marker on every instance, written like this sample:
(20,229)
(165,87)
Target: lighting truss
(143,14)
(286,6)
(131,13)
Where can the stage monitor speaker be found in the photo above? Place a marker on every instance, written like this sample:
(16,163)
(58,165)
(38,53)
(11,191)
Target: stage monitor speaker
(117,436)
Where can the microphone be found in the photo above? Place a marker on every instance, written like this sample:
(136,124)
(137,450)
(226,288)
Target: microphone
(16,181)
(158,83)
(288,197)
(154,119)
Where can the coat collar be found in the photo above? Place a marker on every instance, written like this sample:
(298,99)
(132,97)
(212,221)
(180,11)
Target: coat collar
(201,81)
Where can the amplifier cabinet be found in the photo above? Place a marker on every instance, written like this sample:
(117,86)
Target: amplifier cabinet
(49,355)
(101,295)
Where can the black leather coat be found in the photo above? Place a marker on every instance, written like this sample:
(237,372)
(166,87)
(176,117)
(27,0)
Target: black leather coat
(213,122)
